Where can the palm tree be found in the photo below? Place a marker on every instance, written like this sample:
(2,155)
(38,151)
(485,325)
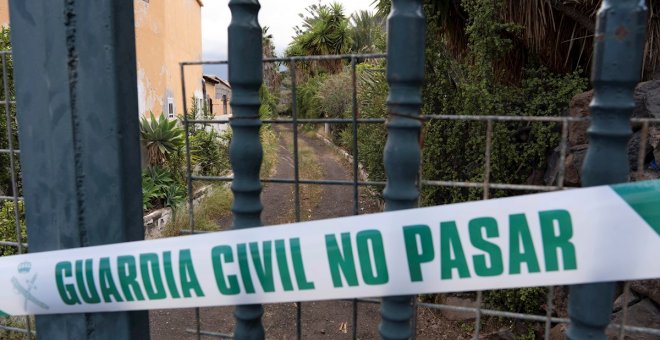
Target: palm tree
(368,32)
(557,33)
(324,31)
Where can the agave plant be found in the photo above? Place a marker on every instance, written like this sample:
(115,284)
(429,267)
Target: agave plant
(161,137)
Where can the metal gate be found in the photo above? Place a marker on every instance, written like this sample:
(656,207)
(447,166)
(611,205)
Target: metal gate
(589,314)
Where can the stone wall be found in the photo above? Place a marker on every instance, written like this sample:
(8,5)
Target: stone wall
(647,105)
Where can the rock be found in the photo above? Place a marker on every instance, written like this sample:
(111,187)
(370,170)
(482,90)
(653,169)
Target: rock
(647,99)
(642,314)
(630,299)
(560,301)
(558,332)
(552,169)
(578,108)
(573,165)
(502,334)
(458,315)
(648,289)
(647,104)
(536,178)
(654,141)
(634,149)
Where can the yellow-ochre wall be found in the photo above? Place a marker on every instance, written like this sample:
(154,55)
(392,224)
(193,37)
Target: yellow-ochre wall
(167,32)
(4,13)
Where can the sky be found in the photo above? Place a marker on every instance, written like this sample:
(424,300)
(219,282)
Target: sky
(281,16)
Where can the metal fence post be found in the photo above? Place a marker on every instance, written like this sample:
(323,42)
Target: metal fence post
(619,45)
(77,111)
(405,73)
(246,153)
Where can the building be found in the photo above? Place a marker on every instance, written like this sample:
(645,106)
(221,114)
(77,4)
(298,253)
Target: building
(167,32)
(218,95)
(4,13)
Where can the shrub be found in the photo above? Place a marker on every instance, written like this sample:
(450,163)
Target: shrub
(160,189)
(307,98)
(372,96)
(335,98)
(5,173)
(209,152)
(8,226)
(523,300)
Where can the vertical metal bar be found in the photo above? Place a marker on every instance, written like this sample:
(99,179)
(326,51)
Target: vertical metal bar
(356,202)
(12,166)
(296,156)
(563,149)
(12,170)
(624,317)
(619,44)
(189,187)
(245,151)
(548,312)
(405,73)
(486,195)
(487,156)
(80,141)
(354,319)
(296,174)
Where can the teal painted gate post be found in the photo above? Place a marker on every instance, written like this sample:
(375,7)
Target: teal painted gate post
(405,73)
(619,46)
(78,118)
(245,151)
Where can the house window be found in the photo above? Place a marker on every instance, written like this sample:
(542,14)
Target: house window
(224,104)
(210,105)
(170,107)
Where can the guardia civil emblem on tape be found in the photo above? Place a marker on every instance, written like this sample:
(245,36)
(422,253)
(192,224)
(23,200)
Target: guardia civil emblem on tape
(606,233)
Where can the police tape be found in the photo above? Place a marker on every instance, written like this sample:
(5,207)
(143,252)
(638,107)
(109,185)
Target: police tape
(595,234)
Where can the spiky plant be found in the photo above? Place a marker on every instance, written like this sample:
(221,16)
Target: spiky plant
(161,137)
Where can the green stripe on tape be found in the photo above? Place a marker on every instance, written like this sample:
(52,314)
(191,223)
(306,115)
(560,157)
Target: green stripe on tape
(644,198)
(3,314)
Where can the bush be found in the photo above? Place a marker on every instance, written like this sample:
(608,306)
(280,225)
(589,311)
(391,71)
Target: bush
(8,226)
(5,172)
(209,152)
(335,98)
(372,96)
(307,99)
(523,300)
(160,189)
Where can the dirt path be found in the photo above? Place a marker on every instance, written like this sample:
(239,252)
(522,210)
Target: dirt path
(322,319)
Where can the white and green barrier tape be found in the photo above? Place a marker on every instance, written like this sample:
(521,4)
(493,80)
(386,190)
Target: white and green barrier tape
(606,233)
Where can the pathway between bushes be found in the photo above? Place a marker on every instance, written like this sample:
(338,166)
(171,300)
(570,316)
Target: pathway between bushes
(324,319)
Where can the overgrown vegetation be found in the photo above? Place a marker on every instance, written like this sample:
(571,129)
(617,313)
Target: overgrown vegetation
(7,208)
(476,82)
(5,173)
(8,226)
(210,157)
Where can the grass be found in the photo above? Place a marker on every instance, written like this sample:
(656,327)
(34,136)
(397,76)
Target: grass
(310,168)
(15,322)
(216,204)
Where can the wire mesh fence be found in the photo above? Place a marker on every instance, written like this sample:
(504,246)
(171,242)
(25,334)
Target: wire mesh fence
(23,326)
(546,320)
(482,186)
(13,233)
